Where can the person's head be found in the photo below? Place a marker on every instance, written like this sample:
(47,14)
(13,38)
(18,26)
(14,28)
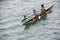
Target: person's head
(34,10)
(24,16)
(42,5)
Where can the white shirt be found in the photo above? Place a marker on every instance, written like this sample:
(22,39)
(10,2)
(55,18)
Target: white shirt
(39,17)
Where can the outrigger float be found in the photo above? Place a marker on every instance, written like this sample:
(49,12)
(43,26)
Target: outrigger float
(38,17)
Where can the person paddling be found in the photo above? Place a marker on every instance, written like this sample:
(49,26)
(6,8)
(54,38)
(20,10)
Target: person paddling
(43,11)
(34,11)
(36,15)
(25,17)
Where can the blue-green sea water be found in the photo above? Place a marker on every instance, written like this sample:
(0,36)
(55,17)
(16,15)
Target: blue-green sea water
(11,16)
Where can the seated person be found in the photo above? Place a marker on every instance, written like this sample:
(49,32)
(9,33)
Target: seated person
(25,17)
(34,11)
(43,11)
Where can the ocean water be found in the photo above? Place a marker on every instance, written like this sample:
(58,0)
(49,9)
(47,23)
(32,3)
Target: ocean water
(11,16)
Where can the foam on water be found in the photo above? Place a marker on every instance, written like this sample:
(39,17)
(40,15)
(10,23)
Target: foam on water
(11,15)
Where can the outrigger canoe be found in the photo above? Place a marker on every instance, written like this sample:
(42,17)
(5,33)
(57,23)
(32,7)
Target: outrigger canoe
(38,17)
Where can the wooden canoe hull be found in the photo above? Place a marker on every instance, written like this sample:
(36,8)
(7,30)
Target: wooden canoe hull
(36,17)
(31,21)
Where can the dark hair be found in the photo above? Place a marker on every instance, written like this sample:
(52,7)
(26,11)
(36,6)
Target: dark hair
(42,5)
(34,10)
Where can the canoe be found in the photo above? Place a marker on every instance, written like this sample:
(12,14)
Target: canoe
(38,17)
